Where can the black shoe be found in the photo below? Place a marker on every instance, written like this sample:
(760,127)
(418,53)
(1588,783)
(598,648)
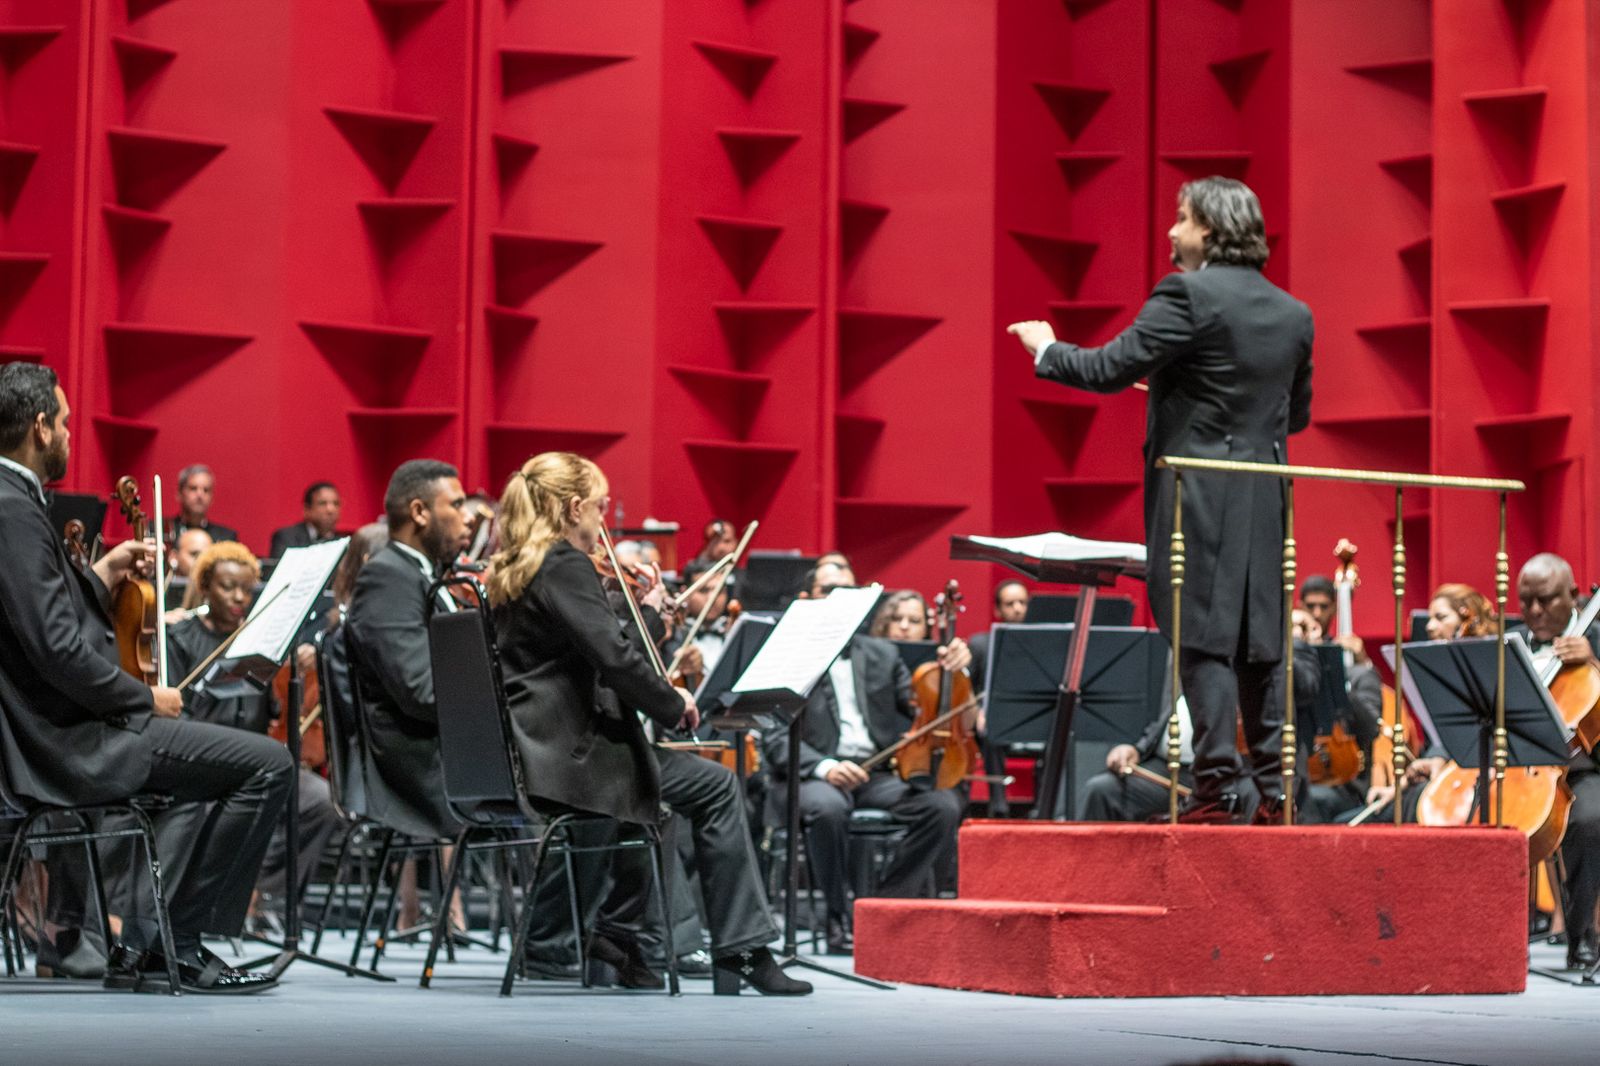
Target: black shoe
(1222,809)
(122,969)
(1269,811)
(619,961)
(695,964)
(70,955)
(201,972)
(840,942)
(760,971)
(1582,951)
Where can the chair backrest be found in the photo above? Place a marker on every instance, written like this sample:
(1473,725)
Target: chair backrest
(483,778)
(346,778)
(11,805)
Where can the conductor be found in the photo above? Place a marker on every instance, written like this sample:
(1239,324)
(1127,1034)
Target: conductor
(1228,358)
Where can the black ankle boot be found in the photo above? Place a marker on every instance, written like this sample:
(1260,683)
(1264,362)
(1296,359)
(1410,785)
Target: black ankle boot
(620,962)
(760,971)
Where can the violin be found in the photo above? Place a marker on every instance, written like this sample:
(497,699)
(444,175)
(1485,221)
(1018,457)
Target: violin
(135,608)
(313,741)
(942,757)
(1336,756)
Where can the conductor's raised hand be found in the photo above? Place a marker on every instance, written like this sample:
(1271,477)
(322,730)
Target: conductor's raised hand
(1033,334)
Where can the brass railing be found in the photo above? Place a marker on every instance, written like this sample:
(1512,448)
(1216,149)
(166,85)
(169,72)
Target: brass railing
(1395,729)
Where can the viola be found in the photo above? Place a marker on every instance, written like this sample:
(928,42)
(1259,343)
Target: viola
(942,757)
(135,608)
(313,741)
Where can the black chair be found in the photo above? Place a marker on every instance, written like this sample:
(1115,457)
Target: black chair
(874,835)
(29,835)
(395,843)
(485,784)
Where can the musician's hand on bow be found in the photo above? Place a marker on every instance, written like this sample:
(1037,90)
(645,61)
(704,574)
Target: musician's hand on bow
(846,775)
(168,701)
(955,655)
(691,663)
(1380,794)
(691,711)
(1034,335)
(1122,758)
(1573,651)
(125,560)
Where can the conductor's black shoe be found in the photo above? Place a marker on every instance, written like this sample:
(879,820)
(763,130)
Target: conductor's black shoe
(1582,951)
(840,942)
(760,971)
(620,962)
(1223,809)
(1269,811)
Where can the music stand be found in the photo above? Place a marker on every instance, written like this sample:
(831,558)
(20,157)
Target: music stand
(915,653)
(1333,699)
(1450,684)
(289,600)
(86,508)
(773,692)
(1058,558)
(770,579)
(1045,607)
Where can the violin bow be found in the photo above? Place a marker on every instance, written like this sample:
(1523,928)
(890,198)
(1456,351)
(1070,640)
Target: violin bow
(917,734)
(633,605)
(732,562)
(1150,775)
(161,589)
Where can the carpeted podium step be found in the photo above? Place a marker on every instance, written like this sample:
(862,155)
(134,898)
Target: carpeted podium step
(1112,910)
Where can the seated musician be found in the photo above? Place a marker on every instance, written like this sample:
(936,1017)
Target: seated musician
(319,520)
(1548,594)
(196,484)
(1122,793)
(903,615)
(226,576)
(577,685)
(1363,703)
(386,632)
(700,657)
(1455,610)
(1011,602)
(190,543)
(83,732)
(862,705)
(721,539)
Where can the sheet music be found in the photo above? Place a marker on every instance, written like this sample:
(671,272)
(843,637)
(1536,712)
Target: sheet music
(1062,547)
(808,637)
(301,573)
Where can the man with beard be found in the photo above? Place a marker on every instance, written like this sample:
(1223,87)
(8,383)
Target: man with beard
(387,634)
(80,731)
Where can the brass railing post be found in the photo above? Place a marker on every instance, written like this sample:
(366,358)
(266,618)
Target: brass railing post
(1502,588)
(1288,751)
(1400,757)
(1174,728)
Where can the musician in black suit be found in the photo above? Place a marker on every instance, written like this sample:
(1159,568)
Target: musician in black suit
(196,485)
(1548,593)
(1228,357)
(319,522)
(861,706)
(78,730)
(386,634)
(577,685)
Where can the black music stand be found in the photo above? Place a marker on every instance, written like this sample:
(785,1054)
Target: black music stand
(915,653)
(1046,607)
(1333,698)
(1121,682)
(1450,684)
(770,579)
(1091,574)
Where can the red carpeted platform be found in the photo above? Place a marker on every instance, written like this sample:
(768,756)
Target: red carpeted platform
(1118,910)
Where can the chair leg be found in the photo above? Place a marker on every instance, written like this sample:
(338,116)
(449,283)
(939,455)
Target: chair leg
(441,923)
(664,905)
(519,943)
(381,941)
(159,893)
(333,887)
(575,912)
(97,882)
(8,887)
(374,885)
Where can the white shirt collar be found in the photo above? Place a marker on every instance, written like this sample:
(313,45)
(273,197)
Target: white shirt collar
(28,475)
(421,560)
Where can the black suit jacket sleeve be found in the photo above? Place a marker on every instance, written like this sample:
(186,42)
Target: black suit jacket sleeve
(775,741)
(47,628)
(1300,392)
(282,541)
(569,590)
(1165,328)
(389,617)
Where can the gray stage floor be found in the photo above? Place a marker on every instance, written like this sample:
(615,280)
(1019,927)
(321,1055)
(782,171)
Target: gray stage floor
(322,1017)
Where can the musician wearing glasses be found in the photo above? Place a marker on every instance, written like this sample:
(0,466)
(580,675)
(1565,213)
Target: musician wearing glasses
(578,683)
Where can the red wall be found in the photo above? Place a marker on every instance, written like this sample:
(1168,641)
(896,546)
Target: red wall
(757,257)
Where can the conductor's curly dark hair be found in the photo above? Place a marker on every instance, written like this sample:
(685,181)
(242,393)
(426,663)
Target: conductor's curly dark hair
(1232,213)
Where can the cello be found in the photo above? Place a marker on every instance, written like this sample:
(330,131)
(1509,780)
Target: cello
(941,757)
